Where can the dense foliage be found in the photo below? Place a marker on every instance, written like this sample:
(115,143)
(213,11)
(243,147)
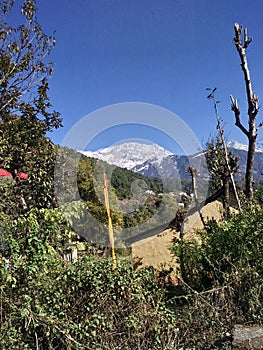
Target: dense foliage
(222,271)
(26,113)
(47,303)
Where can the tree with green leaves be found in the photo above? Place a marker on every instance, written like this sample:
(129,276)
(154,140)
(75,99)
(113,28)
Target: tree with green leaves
(26,113)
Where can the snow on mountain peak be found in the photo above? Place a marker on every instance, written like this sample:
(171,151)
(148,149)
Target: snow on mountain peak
(240,146)
(129,154)
(237,145)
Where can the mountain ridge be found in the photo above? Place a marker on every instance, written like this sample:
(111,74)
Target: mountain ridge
(240,146)
(130,154)
(152,160)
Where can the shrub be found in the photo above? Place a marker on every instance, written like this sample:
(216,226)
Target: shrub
(222,279)
(47,303)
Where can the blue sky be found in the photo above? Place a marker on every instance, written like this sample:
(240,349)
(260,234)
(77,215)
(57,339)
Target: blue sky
(163,52)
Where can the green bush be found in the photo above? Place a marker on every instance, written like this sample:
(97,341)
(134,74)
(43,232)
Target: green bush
(222,279)
(47,303)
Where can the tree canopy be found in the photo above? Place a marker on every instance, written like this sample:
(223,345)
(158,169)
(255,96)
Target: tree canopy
(26,113)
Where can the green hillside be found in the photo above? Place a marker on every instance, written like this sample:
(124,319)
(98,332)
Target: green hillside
(134,199)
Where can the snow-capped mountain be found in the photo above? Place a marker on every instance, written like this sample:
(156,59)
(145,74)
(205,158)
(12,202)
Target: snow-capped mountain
(130,155)
(240,150)
(152,160)
(240,146)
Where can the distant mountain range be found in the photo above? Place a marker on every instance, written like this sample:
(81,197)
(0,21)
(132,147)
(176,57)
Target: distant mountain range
(240,150)
(130,154)
(151,160)
(235,145)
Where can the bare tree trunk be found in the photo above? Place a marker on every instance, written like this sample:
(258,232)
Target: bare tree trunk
(193,172)
(227,195)
(242,42)
(250,167)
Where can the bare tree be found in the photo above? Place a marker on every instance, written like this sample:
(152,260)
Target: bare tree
(194,173)
(242,41)
(225,167)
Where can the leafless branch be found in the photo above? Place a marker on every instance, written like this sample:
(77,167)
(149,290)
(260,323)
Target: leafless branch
(259,126)
(241,48)
(236,110)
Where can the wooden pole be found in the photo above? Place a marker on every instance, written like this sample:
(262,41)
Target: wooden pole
(193,172)
(110,228)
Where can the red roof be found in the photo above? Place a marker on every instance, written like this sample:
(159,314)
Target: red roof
(4,172)
(22,176)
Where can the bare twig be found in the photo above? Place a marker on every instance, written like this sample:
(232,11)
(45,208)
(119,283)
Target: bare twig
(259,126)
(236,110)
(37,346)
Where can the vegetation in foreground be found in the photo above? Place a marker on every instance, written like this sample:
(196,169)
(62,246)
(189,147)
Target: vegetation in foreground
(48,303)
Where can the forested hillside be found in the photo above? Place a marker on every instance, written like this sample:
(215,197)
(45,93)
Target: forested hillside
(137,203)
